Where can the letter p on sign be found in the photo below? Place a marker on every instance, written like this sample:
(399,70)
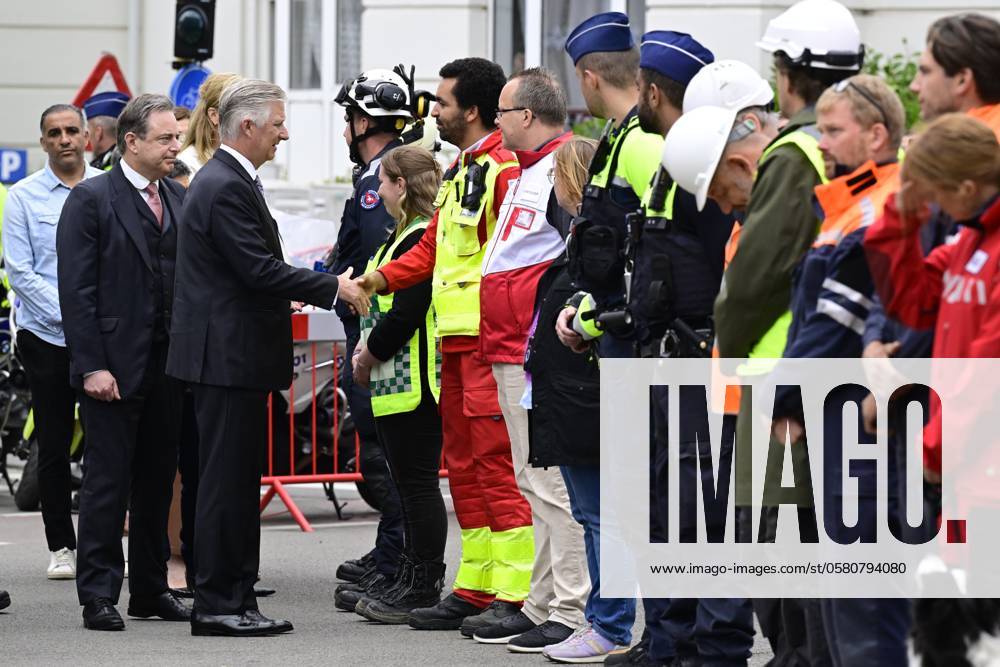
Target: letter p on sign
(13,164)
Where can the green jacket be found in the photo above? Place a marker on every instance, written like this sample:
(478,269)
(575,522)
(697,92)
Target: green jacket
(779,227)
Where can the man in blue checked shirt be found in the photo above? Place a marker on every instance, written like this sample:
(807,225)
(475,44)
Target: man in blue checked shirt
(30,217)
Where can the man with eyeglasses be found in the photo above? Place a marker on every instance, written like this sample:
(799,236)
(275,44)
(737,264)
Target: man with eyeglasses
(532,121)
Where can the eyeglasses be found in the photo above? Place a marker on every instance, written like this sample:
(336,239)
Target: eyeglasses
(501,112)
(843,85)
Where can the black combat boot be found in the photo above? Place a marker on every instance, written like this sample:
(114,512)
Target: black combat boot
(352,570)
(403,578)
(422,592)
(347,595)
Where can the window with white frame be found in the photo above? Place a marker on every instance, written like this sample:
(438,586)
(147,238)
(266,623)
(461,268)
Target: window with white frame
(305,44)
(508,35)
(348,55)
(512,41)
(559,17)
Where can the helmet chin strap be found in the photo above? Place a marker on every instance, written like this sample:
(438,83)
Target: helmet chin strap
(373,128)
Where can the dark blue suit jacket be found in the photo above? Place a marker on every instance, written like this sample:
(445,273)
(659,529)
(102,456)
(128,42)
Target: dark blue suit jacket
(106,276)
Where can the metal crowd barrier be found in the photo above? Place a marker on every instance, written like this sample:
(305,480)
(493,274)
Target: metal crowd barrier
(311,439)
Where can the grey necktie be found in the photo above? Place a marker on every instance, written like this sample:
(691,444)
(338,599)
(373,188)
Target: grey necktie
(260,186)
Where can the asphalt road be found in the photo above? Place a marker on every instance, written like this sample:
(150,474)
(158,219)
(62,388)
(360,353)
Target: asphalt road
(43,625)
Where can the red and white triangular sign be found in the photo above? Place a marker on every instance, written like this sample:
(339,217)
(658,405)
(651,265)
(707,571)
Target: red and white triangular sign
(106,75)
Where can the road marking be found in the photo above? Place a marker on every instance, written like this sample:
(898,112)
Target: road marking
(21,515)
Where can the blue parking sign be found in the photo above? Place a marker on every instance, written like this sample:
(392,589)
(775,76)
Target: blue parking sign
(13,164)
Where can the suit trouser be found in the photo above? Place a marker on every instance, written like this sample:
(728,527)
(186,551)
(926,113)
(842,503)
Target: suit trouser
(130,463)
(232,430)
(559,585)
(497,543)
(53,402)
(187,463)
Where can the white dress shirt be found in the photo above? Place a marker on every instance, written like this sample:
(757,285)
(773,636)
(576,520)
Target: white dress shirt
(244,162)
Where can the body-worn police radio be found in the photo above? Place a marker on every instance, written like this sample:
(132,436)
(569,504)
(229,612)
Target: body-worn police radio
(597,244)
(667,254)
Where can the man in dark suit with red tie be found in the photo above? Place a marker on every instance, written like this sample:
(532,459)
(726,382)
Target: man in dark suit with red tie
(231,339)
(116,245)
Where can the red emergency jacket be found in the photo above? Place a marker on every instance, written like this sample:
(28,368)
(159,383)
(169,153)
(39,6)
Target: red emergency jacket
(521,249)
(955,289)
(417,264)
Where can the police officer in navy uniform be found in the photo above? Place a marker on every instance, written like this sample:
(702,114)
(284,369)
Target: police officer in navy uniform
(606,61)
(678,263)
(102,111)
(376,109)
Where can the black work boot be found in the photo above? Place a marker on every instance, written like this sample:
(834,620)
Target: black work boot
(352,570)
(402,580)
(447,614)
(347,596)
(423,591)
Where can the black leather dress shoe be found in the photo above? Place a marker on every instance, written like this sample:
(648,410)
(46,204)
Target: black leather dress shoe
(263,592)
(164,606)
(230,625)
(280,624)
(100,614)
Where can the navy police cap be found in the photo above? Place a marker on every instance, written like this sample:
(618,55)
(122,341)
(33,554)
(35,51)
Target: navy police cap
(675,55)
(105,104)
(602,32)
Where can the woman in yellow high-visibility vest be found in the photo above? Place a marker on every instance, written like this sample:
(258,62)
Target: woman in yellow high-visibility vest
(399,360)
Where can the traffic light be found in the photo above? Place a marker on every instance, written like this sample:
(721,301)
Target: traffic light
(194,29)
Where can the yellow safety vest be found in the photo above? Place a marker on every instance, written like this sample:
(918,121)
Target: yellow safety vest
(458,266)
(395,384)
(772,344)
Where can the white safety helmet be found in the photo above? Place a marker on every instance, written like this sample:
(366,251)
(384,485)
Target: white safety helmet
(816,33)
(729,84)
(380,93)
(694,146)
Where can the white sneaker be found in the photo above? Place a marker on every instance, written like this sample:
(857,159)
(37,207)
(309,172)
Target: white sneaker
(62,564)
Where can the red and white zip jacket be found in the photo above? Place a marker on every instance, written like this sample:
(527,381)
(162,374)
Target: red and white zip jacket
(521,249)
(956,290)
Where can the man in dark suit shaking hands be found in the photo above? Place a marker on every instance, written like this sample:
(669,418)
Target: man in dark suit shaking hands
(232,340)
(116,245)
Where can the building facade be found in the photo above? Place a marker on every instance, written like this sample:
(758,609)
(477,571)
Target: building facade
(310,47)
